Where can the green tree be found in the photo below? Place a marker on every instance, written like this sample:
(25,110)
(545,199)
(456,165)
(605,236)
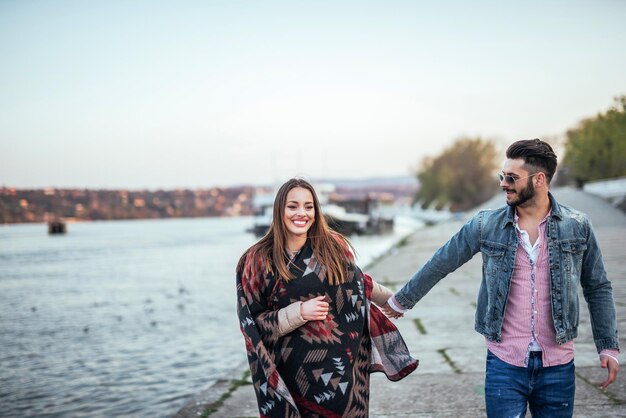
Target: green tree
(462,176)
(596,148)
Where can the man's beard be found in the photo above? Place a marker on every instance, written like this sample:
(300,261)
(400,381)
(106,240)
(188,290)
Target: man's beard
(524,195)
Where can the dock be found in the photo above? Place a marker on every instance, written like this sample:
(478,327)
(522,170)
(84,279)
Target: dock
(439,331)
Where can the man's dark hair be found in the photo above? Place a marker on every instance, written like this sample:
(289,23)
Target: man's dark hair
(537,156)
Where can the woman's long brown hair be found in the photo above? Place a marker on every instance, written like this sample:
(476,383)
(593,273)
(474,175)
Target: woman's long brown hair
(332,250)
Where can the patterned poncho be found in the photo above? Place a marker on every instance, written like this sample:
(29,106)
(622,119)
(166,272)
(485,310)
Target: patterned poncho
(322,368)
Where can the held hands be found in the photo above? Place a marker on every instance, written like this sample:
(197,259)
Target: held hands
(314,309)
(388,310)
(613,366)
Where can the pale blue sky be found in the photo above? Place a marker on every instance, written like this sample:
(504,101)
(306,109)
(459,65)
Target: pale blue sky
(154,94)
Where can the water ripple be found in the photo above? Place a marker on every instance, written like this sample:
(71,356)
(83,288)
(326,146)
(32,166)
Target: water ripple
(117,318)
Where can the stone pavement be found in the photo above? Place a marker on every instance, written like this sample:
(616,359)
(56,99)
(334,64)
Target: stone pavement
(439,331)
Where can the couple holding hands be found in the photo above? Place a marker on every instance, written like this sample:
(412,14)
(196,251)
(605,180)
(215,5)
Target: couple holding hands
(315,326)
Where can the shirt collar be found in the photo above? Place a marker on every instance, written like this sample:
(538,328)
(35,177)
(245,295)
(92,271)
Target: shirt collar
(544,220)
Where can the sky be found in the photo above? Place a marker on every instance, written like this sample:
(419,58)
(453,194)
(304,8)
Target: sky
(195,94)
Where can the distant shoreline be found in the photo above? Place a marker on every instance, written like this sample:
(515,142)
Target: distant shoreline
(42,205)
(78,221)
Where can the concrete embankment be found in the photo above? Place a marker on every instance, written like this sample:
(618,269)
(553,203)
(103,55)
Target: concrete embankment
(440,332)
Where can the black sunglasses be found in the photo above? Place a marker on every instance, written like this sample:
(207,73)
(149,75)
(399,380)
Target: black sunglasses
(509,179)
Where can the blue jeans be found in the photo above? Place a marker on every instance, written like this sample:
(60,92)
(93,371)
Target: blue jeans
(549,391)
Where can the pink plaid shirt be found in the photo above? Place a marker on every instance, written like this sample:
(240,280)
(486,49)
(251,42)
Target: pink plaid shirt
(527,321)
(528,324)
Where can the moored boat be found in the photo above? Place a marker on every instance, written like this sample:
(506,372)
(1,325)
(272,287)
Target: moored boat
(57,226)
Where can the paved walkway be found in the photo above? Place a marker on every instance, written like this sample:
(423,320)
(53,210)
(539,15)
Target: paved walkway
(440,332)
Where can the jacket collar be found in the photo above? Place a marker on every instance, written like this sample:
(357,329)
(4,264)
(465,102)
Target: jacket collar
(556,208)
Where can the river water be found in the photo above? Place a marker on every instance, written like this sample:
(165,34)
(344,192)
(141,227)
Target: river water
(123,318)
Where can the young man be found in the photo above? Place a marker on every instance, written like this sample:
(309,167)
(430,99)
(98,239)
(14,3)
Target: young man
(535,253)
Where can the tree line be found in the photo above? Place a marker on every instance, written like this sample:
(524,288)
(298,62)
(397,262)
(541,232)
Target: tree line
(463,175)
(41,205)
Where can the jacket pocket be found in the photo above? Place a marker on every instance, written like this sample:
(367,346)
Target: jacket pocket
(493,254)
(572,251)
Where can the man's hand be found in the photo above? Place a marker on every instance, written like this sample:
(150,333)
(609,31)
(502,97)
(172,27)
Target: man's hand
(609,363)
(390,312)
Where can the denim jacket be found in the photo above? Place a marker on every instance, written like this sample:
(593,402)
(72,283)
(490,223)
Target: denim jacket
(574,257)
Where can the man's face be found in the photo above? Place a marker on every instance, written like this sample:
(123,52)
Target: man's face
(521,189)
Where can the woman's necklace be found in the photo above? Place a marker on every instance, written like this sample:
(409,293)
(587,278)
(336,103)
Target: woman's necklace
(293,254)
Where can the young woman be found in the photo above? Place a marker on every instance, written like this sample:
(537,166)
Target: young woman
(311,332)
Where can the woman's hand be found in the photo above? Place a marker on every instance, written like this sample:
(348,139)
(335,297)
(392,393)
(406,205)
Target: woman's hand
(314,309)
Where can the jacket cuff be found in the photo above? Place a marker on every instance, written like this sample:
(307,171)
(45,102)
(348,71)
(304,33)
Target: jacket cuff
(607,344)
(401,301)
(290,319)
(395,305)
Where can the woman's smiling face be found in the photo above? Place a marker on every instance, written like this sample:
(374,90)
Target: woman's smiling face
(299,211)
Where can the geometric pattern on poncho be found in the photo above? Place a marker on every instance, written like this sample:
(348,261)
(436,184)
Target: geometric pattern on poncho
(322,368)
